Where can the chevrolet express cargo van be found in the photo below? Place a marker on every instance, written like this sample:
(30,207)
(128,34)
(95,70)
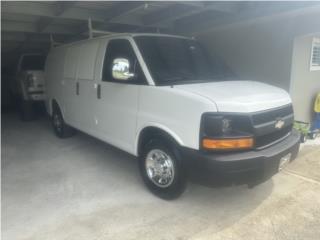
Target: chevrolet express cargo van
(162,99)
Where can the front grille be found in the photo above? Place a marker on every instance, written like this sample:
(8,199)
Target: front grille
(266,133)
(273,137)
(271,115)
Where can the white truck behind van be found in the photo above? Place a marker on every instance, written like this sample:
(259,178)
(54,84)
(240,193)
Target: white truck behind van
(182,113)
(29,83)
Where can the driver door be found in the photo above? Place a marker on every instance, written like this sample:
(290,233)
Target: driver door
(117,101)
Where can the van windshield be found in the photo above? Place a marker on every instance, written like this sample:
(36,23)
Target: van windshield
(173,60)
(33,62)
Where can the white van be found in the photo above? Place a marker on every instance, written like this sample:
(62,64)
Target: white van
(162,99)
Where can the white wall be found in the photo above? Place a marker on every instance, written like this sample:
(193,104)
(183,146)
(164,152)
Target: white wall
(305,84)
(262,49)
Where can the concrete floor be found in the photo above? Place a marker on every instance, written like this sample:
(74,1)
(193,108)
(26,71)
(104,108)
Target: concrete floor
(81,188)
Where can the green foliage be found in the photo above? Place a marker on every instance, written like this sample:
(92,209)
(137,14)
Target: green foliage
(302,127)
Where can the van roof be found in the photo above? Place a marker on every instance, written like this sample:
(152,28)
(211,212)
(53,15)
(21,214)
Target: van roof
(115,35)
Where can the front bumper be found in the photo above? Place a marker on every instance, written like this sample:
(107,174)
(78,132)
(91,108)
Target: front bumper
(249,167)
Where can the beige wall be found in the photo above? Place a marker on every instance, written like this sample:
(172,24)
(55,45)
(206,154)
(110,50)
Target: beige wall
(262,49)
(255,51)
(305,84)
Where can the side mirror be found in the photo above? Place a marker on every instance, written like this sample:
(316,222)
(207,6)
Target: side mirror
(120,69)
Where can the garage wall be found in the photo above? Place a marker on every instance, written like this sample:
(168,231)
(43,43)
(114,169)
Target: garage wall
(305,84)
(262,49)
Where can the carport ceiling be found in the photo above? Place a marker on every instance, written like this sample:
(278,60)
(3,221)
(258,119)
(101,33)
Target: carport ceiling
(26,26)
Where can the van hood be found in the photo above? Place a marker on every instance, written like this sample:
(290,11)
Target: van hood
(240,96)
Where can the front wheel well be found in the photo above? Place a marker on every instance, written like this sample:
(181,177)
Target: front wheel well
(150,133)
(54,105)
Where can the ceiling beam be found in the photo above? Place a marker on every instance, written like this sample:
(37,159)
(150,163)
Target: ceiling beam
(28,8)
(122,8)
(63,6)
(193,3)
(59,9)
(39,9)
(34,37)
(185,9)
(15,26)
(169,14)
(67,10)
(118,10)
(246,11)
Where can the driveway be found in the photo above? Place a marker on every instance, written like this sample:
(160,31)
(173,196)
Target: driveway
(81,188)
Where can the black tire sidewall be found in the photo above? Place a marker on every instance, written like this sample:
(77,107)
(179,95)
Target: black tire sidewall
(56,131)
(178,185)
(66,130)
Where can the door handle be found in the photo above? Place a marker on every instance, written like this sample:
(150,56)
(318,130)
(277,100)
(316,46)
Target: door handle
(99,91)
(77,88)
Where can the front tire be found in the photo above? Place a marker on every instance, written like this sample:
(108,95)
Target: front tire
(61,129)
(162,171)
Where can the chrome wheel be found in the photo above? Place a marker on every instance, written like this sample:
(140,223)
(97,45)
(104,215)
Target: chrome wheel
(160,168)
(57,122)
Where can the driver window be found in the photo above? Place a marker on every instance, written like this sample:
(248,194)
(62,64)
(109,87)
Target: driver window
(121,48)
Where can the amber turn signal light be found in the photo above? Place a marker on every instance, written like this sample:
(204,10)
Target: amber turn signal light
(216,144)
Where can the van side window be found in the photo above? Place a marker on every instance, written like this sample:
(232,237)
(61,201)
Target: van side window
(121,48)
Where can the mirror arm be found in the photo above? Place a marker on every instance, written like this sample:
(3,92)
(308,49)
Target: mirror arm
(129,75)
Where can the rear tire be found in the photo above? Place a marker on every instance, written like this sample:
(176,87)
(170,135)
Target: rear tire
(162,171)
(61,129)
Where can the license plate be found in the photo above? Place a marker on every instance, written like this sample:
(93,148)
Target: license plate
(284,161)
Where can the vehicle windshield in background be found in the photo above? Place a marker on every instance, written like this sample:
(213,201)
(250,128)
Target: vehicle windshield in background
(174,60)
(33,62)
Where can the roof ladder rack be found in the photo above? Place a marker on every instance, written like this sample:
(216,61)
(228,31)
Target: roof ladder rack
(52,42)
(93,31)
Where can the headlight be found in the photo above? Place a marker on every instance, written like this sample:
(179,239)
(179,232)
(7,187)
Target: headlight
(226,125)
(226,132)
